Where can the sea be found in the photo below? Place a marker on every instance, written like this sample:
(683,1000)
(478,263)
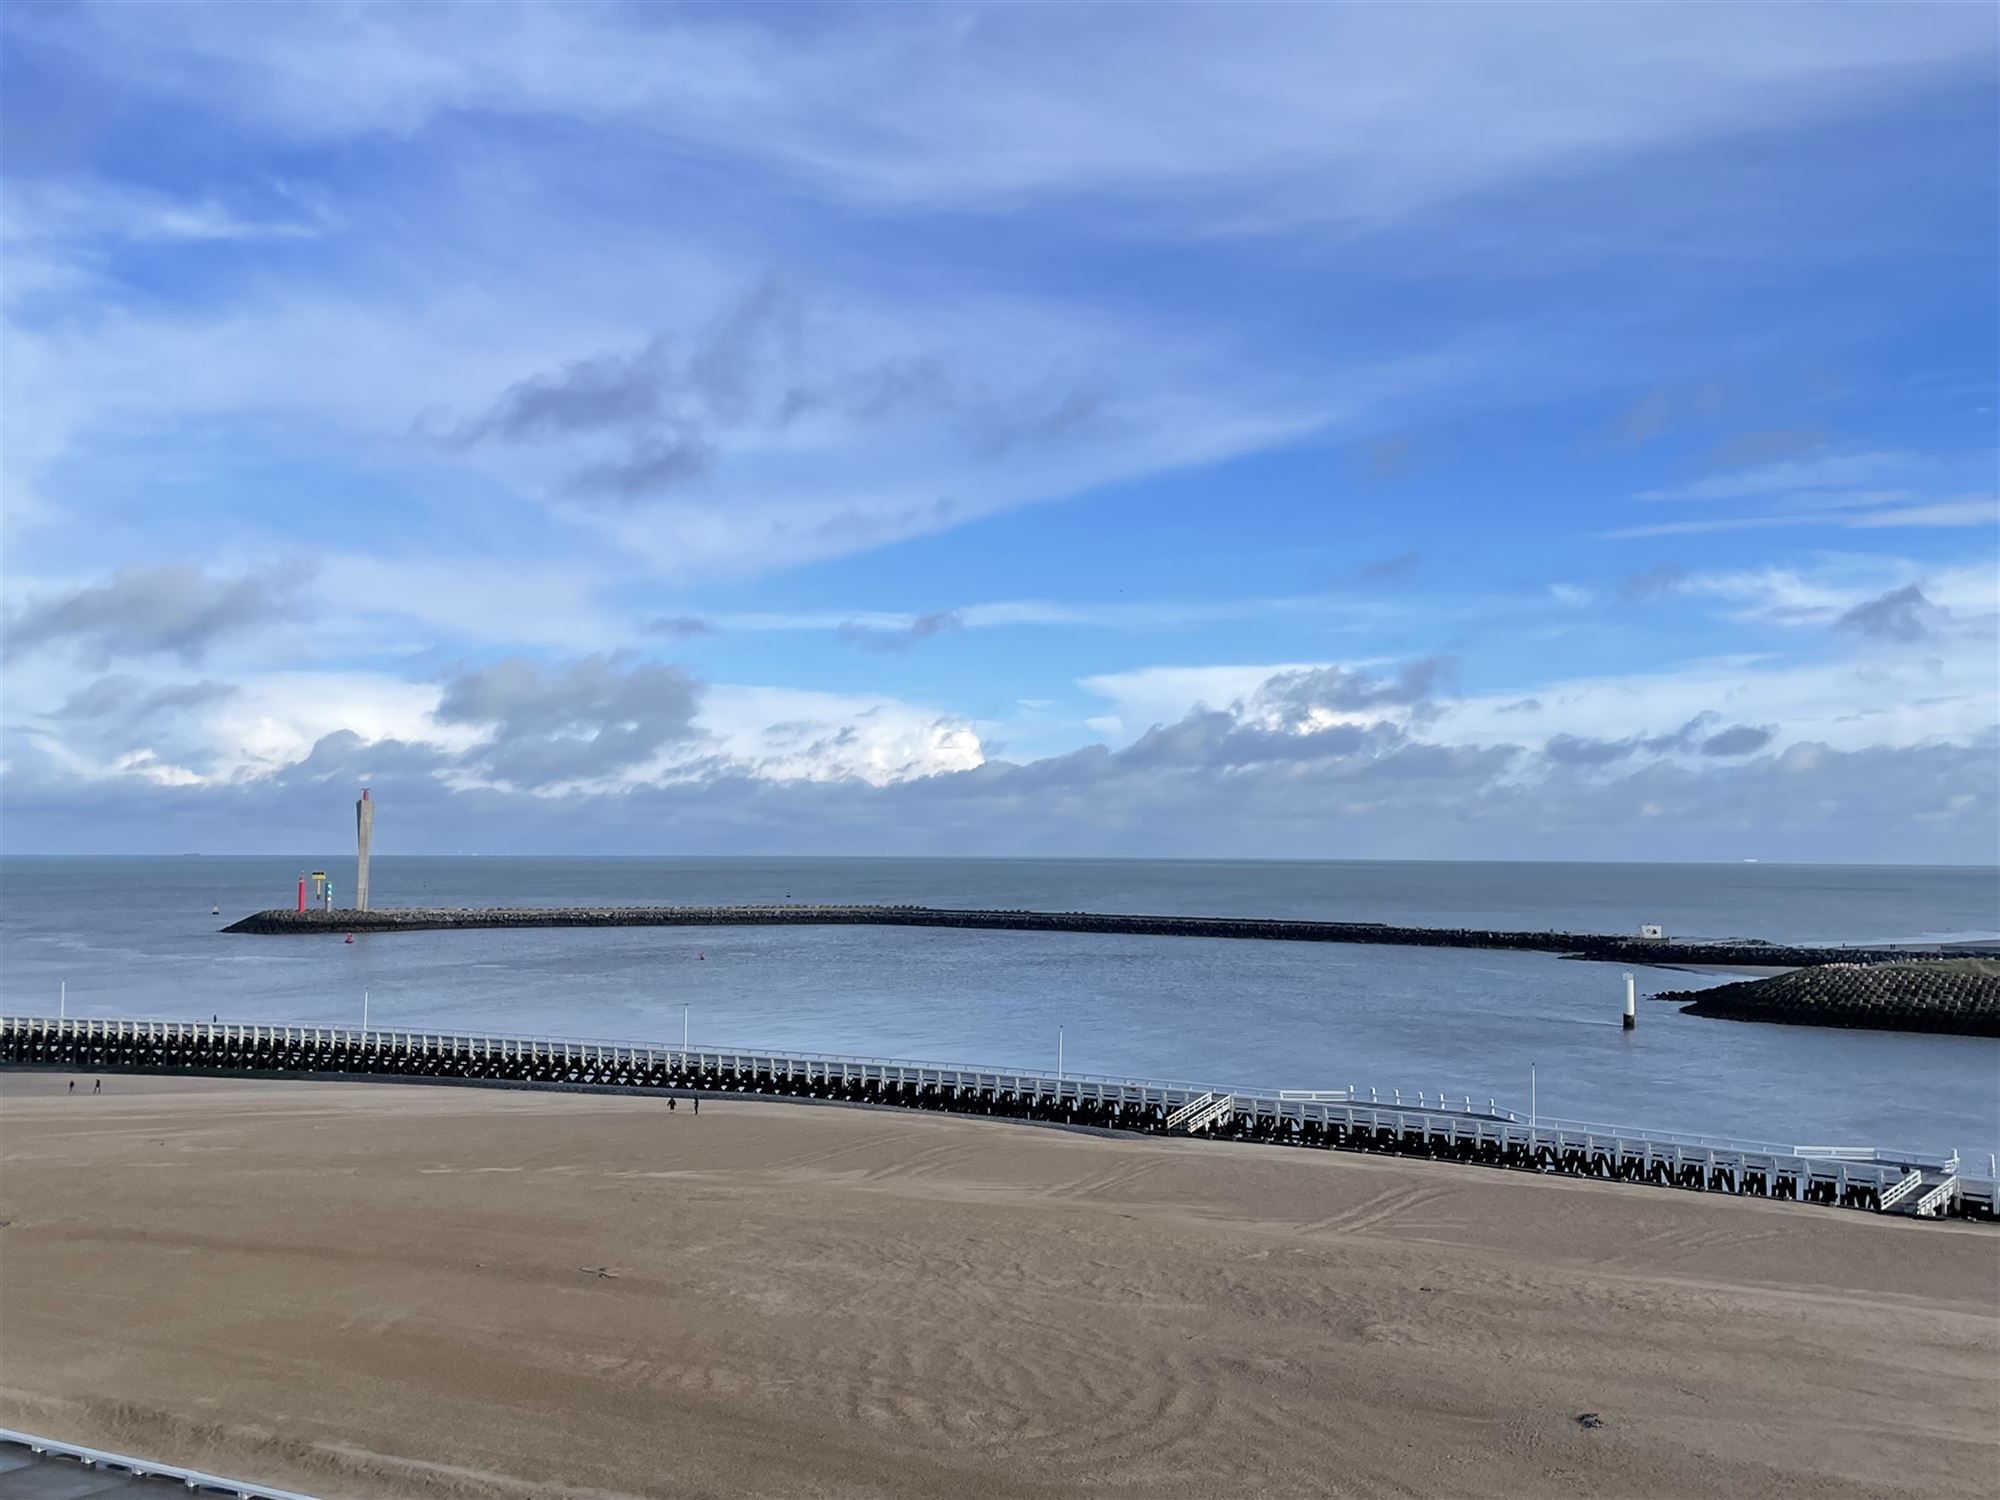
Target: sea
(138,937)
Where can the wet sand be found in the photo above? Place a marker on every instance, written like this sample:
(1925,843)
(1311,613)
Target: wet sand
(387,1289)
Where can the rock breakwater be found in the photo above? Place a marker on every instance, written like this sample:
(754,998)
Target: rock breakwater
(1959,996)
(1607,947)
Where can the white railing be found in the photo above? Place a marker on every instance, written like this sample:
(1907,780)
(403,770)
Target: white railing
(1189,1110)
(1215,1113)
(1457,1122)
(1898,1191)
(572,1046)
(96,1458)
(1938,1199)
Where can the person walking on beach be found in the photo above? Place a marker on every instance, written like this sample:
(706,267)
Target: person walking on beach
(670,1104)
(697,1106)
(72,1085)
(97,1085)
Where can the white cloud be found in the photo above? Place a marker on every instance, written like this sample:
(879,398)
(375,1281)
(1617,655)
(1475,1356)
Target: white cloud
(1160,695)
(785,734)
(1817,594)
(276,718)
(1849,694)
(1855,703)
(147,766)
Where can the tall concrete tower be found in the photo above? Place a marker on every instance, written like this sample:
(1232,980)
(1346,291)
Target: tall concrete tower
(364,831)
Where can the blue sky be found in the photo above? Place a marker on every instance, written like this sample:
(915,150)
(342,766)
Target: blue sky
(1491,431)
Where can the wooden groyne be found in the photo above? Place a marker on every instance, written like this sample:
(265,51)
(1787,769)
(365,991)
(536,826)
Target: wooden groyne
(1610,948)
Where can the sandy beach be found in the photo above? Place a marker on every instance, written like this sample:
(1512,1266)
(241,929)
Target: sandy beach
(392,1290)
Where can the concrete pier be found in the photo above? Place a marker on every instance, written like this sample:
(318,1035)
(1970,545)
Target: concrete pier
(1438,1127)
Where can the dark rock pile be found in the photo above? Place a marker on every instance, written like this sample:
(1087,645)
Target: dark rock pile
(1961,996)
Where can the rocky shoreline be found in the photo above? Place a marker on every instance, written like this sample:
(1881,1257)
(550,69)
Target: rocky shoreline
(1601,946)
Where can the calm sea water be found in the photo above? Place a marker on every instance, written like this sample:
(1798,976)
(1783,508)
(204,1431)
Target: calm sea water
(135,937)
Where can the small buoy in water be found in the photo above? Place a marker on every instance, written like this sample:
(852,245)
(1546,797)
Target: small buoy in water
(702,956)
(350,937)
(215,910)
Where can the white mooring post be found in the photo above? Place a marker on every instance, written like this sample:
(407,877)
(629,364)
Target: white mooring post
(1631,1003)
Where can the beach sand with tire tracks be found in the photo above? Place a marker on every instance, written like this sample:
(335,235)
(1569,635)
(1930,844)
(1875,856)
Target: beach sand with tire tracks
(354,1289)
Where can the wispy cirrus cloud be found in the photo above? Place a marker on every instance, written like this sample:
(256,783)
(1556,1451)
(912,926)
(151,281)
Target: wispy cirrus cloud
(1861,515)
(70,212)
(1848,490)
(1330,611)
(1828,471)
(938,109)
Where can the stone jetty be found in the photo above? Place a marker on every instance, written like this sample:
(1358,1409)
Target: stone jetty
(1610,948)
(1959,996)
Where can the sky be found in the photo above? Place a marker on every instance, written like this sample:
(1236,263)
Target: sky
(1485,432)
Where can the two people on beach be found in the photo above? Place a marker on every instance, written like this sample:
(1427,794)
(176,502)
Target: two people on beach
(96,1085)
(670,1105)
